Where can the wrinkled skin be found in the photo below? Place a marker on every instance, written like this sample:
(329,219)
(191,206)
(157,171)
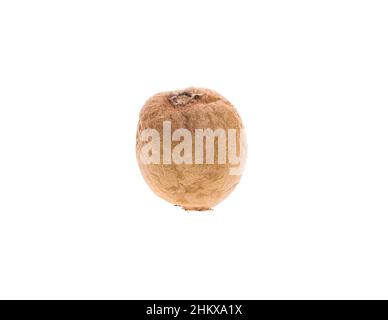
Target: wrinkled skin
(191,186)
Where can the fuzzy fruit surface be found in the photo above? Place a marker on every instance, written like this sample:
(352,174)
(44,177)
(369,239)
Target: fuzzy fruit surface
(191,186)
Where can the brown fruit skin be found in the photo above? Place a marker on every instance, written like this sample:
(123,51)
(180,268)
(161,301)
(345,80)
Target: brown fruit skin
(191,186)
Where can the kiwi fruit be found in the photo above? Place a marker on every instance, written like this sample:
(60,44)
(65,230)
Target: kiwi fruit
(198,175)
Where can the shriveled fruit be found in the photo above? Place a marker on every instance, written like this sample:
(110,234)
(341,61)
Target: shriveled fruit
(175,152)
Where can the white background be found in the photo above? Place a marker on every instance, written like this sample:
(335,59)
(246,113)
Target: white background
(310,216)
